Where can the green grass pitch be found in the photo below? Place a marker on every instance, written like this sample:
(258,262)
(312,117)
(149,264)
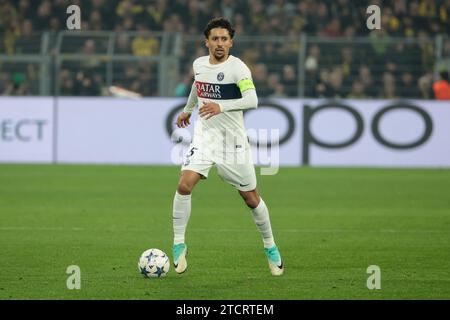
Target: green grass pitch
(330,225)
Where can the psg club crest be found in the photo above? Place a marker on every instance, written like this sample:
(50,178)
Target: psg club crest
(220,76)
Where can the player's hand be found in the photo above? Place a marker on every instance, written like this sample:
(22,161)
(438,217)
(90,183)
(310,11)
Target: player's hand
(183,120)
(209,109)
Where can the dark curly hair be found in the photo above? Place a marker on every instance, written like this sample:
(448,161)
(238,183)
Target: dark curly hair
(219,23)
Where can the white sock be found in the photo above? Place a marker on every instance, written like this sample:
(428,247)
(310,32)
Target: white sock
(262,221)
(180,217)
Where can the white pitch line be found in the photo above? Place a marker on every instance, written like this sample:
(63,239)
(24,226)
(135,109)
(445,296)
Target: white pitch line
(39,229)
(327,231)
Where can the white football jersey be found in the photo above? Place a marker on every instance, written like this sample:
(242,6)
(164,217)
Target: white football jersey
(219,83)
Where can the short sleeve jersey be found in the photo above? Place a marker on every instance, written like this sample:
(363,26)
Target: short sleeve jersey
(218,83)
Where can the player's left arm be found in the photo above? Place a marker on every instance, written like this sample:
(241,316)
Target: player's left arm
(249,98)
(244,82)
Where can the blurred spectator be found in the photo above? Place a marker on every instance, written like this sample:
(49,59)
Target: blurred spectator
(278,92)
(357,91)
(333,29)
(407,86)
(290,48)
(240,26)
(228,9)
(289,80)
(85,85)
(409,62)
(8,15)
(17,86)
(347,61)
(55,24)
(380,42)
(4,82)
(389,89)
(44,12)
(425,86)
(280,7)
(89,49)
(446,46)
(105,10)
(427,48)
(256,15)
(273,80)
(322,88)
(156,13)
(66,82)
(123,45)
(129,9)
(24,43)
(319,18)
(183,88)
(197,16)
(336,83)
(441,88)
(145,44)
(259,74)
(312,60)
(24,9)
(366,79)
(11,34)
(95,21)
(350,32)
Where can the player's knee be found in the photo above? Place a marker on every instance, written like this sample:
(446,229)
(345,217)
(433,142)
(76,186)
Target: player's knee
(185,188)
(253,203)
(251,200)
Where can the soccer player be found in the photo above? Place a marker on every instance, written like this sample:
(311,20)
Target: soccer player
(223,87)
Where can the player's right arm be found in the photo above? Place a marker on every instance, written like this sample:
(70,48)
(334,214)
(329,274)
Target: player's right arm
(183,118)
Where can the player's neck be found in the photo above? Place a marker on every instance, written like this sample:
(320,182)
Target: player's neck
(213,60)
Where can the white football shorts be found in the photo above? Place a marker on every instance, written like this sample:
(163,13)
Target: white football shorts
(234,167)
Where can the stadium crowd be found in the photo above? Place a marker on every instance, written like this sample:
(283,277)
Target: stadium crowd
(381,67)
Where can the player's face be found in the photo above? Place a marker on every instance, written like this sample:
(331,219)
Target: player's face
(219,43)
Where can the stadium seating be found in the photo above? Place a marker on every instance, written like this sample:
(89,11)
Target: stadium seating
(295,48)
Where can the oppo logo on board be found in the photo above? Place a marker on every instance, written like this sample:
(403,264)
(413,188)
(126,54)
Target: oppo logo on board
(309,113)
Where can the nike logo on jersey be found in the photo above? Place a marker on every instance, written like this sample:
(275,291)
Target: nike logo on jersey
(244,185)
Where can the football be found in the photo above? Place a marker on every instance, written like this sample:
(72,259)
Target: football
(153,263)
